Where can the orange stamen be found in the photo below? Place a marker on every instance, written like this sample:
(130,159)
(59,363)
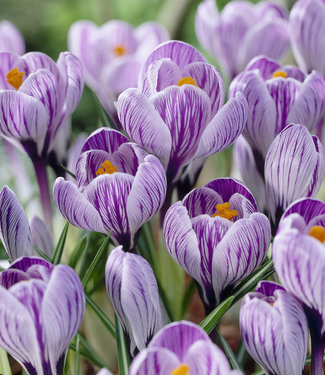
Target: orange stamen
(187,81)
(279,73)
(181,370)
(15,78)
(119,50)
(318,232)
(106,167)
(225,211)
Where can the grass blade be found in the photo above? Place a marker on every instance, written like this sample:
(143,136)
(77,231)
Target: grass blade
(60,246)
(4,363)
(77,367)
(122,351)
(104,319)
(42,255)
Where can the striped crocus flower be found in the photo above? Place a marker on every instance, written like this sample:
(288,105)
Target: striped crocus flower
(41,309)
(181,348)
(307,30)
(133,291)
(17,236)
(299,260)
(218,236)
(119,187)
(274,329)
(117,52)
(177,113)
(242,31)
(11,39)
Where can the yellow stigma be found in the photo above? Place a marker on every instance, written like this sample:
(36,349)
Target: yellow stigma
(180,370)
(225,211)
(187,81)
(106,167)
(279,73)
(15,78)
(318,232)
(119,50)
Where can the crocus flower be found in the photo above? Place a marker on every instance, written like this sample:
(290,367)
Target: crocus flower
(217,236)
(11,39)
(307,30)
(181,348)
(242,31)
(299,260)
(41,309)
(274,329)
(133,292)
(117,52)
(277,96)
(17,236)
(120,187)
(178,113)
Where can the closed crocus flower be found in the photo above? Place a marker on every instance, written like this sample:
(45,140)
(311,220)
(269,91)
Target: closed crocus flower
(119,187)
(294,168)
(217,236)
(181,348)
(242,31)
(133,292)
(299,260)
(277,96)
(274,329)
(11,39)
(37,97)
(17,236)
(178,113)
(118,50)
(307,30)
(41,309)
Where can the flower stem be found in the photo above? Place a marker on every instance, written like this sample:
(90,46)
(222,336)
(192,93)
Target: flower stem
(317,353)
(41,176)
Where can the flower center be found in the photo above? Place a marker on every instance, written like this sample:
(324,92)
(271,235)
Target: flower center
(15,78)
(119,50)
(318,232)
(187,81)
(106,167)
(225,211)
(180,370)
(279,73)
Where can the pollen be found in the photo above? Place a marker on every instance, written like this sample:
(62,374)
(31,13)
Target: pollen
(224,211)
(15,78)
(106,167)
(187,81)
(318,232)
(279,73)
(181,370)
(119,50)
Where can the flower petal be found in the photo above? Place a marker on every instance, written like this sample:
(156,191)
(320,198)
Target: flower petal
(104,139)
(11,39)
(41,237)
(9,61)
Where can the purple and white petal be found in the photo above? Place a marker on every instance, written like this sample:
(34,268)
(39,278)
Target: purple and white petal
(9,61)
(11,39)
(104,139)
(41,237)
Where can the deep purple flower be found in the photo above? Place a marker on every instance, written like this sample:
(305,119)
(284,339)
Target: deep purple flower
(11,39)
(242,31)
(277,96)
(299,260)
(181,348)
(117,52)
(120,187)
(16,235)
(178,113)
(217,236)
(274,329)
(133,292)
(307,31)
(41,309)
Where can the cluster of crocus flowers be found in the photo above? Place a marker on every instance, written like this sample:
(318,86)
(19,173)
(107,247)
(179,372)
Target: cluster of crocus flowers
(242,31)
(119,187)
(39,315)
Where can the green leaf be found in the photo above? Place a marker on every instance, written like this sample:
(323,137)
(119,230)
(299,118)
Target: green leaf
(88,352)
(188,296)
(4,363)
(103,116)
(95,261)
(122,352)
(229,353)
(42,255)
(77,367)
(241,353)
(67,171)
(104,319)
(259,372)
(60,246)
(211,321)
(77,251)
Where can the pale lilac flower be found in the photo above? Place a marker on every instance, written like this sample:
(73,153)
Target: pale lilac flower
(217,236)
(17,236)
(41,309)
(241,31)
(11,39)
(181,348)
(132,289)
(119,187)
(274,329)
(307,31)
(117,52)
